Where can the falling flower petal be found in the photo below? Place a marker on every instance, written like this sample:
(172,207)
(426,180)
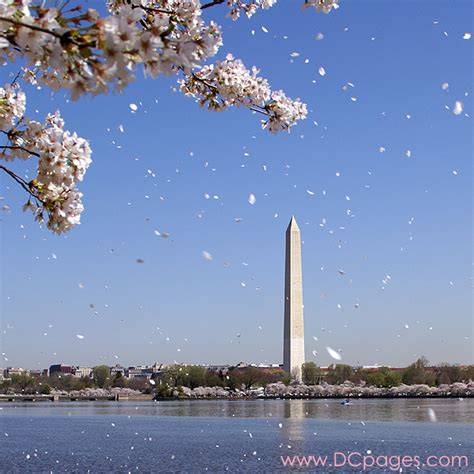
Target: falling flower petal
(334,354)
(207,256)
(458,107)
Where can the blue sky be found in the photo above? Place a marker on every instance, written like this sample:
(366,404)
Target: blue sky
(372,214)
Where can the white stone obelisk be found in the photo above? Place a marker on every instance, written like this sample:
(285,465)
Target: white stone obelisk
(293,344)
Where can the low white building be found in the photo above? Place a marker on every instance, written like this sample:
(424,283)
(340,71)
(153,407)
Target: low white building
(83,372)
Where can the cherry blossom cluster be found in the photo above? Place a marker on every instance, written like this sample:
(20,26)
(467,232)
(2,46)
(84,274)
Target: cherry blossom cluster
(63,159)
(12,106)
(86,53)
(249,7)
(229,83)
(324,6)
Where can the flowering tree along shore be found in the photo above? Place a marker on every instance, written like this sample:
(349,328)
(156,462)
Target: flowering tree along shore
(84,52)
(193,381)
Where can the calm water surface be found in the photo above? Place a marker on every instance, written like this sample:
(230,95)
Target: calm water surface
(218,436)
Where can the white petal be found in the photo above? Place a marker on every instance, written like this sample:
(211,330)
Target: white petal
(207,256)
(458,107)
(334,354)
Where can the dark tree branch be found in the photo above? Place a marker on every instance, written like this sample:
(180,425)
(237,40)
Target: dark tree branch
(211,4)
(17,147)
(20,181)
(32,27)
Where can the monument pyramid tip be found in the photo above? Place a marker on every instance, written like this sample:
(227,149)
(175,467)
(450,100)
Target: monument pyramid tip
(293,222)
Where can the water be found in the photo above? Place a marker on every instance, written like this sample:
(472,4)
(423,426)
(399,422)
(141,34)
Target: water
(245,436)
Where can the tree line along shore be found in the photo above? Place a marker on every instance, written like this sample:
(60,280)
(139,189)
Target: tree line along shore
(193,381)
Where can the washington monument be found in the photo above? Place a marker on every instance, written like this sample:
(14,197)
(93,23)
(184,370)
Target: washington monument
(293,344)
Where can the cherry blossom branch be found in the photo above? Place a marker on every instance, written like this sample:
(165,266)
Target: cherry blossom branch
(87,53)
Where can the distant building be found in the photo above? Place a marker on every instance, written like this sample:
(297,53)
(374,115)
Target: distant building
(138,373)
(9,371)
(61,369)
(221,369)
(242,365)
(145,371)
(118,369)
(38,372)
(80,372)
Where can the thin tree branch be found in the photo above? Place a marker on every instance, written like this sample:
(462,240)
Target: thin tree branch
(32,27)
(211,4)
(18,147)
(20,181)
(16,78)
(253,109)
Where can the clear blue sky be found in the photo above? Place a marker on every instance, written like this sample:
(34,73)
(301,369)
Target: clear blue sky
(410,217)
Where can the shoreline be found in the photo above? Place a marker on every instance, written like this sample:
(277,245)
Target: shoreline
(149,397)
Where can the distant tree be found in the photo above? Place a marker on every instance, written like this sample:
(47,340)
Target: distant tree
(81,383)
(244,378)
(61,382)
(175,375)
(467,373)
(311,374)
(392,379)
(164,390)
(101,375)
(418,373)
(383,377)
(212,379)
(45,389)
(195,376)
(286,378)
(23,381)
(273,376)
(119,380)
(447,374)
(339,374)
(5,386)
(137,384)
(376,379)
(358,376)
